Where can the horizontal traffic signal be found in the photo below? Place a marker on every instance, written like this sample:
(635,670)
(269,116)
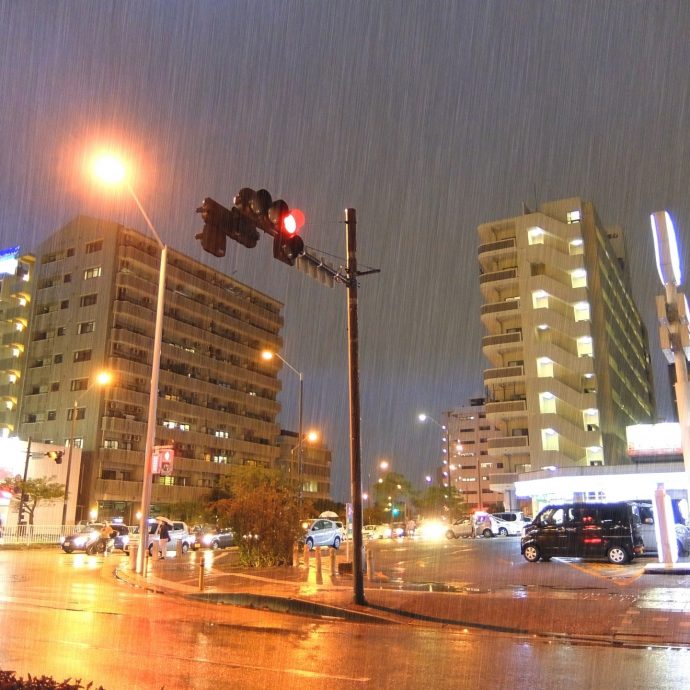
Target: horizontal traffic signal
(221,222)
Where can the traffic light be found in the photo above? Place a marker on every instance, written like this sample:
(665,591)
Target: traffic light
(22,513)
(56,456)
(275,218)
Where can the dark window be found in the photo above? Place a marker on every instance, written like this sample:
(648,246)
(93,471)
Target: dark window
(88,300)
(51,415)
(96,246)
(57,359)
(61,330)
(79,384)
(64,304)
(67,278)
(82,355)
(80,413)
(86,327)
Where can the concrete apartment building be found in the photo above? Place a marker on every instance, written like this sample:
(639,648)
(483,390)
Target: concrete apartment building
(568,354)
(94,308)
(16,274)
(468,464)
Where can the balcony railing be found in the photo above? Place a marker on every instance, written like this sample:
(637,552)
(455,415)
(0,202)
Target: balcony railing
(501,339)
(503,373)
(508,442)
(507,274)
(495,307)
(508,243)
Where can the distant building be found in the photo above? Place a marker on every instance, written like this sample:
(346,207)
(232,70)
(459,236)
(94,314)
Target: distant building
(315,473)
(568,354)
(16,275)
(93,308)
(469,465)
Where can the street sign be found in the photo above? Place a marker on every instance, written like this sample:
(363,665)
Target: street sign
(162,460)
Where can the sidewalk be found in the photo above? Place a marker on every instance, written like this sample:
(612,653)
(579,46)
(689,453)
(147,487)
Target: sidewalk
(659,615)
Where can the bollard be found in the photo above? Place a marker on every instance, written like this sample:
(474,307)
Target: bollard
(178,548)
(133,548)
(334,568)
(319,572)
(201,574)
(306,556)
(370,564)
(295,555)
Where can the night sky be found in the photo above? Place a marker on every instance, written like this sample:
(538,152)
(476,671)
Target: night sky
(426,117)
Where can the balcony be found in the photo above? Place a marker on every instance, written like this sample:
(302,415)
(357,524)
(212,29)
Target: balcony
(506,445)
(508,408)
(507,374)
(499,245)
(501,339)
(494,276)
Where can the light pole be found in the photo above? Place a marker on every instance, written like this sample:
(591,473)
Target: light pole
(111,170)
(268,355)
(423,417)
(674,333)
(102,379)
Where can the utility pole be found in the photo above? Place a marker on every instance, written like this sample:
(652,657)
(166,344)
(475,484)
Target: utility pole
(355,441)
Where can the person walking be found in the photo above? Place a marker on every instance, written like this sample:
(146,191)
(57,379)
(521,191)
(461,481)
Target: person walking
(163,539)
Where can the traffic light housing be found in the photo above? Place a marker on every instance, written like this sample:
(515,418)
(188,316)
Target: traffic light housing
(221,222)
(273,217)
(56,456)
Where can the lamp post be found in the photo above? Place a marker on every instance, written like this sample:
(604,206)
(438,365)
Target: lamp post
(423,417)
(102,379)
(268,355)
(111,170)
(674,333)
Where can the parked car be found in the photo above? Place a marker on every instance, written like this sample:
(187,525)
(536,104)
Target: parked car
(511,522)
(648,532)
(217,538)
(462,527)
(121,538)
(179,532)
(585,530)
(323,532)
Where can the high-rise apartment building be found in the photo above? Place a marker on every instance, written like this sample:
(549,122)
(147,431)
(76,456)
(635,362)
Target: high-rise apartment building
(567,348)
(16,274)
(93,308)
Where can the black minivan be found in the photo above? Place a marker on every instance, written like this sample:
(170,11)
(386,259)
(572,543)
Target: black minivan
(584,530)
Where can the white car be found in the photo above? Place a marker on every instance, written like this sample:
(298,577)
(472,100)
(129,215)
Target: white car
(323,532)
(648,532)
(460,528)
(377,531)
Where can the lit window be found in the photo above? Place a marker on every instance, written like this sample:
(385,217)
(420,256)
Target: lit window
(595,455)
(573,216)
(575,247)
(584,346)
(581,310)
(540,299)
(547,403)
(92,272)
(544,367)
(535,236)
(578,278)
(169,424)
(549,439)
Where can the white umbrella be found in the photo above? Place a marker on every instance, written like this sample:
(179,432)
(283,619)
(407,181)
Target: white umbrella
(160,518)
(328,514)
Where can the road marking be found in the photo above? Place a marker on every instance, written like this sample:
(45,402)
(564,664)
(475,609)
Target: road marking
(620,575)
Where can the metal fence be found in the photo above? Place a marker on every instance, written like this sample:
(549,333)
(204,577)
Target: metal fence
(35,534)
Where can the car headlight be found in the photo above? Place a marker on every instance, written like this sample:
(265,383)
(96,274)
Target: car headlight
(207,539)
(80,541)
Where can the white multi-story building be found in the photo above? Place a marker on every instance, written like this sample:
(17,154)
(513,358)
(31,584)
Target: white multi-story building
(567,348)
(468,465)
(93,308)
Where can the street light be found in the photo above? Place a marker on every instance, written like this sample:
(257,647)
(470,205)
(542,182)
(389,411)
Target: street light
(674,333)
(103,378)
(423,417)
(269,355)
(111,170)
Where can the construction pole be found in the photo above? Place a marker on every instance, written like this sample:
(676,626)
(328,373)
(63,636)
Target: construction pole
(355,442)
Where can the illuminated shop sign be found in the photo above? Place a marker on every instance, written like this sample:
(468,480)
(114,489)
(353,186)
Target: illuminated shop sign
(9,260)
(654,439)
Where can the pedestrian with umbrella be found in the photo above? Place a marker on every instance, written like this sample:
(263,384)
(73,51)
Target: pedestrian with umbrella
(163,536)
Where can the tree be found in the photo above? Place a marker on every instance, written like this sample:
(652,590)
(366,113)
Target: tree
(38,490)
(263,512)
(395,496)
(441,501)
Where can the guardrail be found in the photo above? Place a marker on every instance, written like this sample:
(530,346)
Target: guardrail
(35,534)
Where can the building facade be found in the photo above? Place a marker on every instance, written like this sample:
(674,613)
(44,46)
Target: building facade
(314,474)
(569,365)
(16,275)
(469,464)
(93,308)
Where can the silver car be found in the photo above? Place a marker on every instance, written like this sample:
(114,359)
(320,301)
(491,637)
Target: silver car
(323,532)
